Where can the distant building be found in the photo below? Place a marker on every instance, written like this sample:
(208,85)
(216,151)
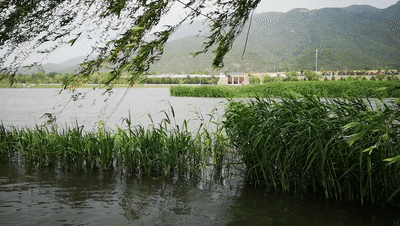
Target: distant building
(235,80)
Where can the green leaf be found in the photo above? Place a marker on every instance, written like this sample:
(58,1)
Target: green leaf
(370,149)
(138,28)
(72,41)
(381,89)
(355,137)
(351,125)
(394,193)
(392,160)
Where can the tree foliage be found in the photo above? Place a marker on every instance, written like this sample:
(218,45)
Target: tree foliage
(126,38)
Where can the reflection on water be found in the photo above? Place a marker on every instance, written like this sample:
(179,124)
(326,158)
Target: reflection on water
(50,197)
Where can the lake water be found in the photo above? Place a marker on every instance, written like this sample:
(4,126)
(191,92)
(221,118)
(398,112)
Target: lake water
(25,107)
(51,197)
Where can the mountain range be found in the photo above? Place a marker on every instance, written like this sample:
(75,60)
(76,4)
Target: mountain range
(356,37)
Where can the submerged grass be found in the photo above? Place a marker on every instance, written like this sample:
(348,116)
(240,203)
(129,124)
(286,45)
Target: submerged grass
(357,88)
(336,147)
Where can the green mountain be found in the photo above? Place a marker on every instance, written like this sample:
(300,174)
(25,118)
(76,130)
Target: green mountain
(354,37)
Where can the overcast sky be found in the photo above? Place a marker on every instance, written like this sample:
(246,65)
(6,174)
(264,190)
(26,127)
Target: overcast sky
(287,5)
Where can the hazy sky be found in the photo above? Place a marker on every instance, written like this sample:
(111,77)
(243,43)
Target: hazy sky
(286,5)
(82,47)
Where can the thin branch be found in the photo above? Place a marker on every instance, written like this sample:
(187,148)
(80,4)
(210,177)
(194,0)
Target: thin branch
(248,32)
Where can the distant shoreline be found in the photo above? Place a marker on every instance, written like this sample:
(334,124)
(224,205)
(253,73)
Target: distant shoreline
(97,86)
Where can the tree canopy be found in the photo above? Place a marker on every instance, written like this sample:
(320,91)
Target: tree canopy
(127,40)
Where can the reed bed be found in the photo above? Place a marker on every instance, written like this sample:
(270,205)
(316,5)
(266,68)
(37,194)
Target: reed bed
(357,88)
(336,147)
(161,147)
(343,148)
(204,91)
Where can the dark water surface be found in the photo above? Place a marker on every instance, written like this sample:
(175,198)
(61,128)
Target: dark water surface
(52,197)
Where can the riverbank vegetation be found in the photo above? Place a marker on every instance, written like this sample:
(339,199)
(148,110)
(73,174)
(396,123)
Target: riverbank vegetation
(162,147)
(342,148)
(354,88)
(346,149)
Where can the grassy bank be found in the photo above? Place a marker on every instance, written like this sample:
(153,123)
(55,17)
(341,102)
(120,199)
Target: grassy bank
(364,88)
(338,148)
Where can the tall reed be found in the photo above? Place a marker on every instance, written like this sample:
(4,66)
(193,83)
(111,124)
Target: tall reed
(167,147)
(164,147)
(7,141)
(302,145)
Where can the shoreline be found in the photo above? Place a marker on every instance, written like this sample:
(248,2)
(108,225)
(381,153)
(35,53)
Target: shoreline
(100,86)
(95,86)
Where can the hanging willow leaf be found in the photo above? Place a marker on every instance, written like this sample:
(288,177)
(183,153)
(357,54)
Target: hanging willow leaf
(123,30)
(72,41)
(138,29)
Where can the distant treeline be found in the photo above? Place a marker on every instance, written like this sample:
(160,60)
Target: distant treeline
(189,80)
(101,78)
(37,78)
(309,75)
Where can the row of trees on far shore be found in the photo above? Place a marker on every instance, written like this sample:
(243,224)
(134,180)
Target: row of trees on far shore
(54,78)
(41,77)
(312,76)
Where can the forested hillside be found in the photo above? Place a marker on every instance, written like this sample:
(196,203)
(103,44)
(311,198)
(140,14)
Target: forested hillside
(356,37)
